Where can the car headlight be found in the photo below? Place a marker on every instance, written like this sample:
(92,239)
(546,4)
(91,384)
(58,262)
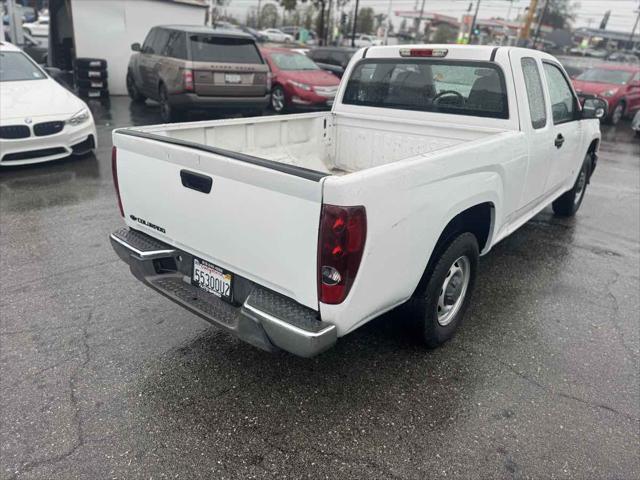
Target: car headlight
(301,86)
(80,117)
(609,93)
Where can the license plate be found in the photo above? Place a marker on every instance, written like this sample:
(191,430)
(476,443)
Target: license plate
(94,94)
(330,103)
(231,78)
(212,279)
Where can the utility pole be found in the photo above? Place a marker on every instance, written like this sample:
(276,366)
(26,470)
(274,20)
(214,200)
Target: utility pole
(633,31)
(540,20)
(355,21)
(418,22)
(526,29)
(258,22)
(386,30)
(473,22)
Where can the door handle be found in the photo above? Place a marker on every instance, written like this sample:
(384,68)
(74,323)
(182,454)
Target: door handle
(196,181)
(559,141)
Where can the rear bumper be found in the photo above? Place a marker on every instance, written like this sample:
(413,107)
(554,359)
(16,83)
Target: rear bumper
(191,100)
(261,317)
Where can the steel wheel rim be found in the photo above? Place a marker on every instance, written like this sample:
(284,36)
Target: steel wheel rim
(453,290)
(617,114)
(277,99)
(580,187)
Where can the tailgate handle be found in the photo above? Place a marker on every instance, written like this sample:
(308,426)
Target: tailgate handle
(196,181)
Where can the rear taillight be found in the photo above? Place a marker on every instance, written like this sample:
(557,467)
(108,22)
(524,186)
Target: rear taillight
(114,171)
(187,80)
(343,231)
(269,80)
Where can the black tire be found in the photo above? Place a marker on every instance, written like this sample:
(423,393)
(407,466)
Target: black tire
(430,321)
(617,113)
(97,74)
(278,100)
(93,93)
(168,113)
(133,91)
(96,84)
(569,202)
(90,63)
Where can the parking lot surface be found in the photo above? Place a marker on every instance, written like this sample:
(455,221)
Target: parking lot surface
(103,378)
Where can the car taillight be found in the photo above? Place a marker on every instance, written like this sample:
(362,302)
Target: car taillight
(187,80)
(269,80)
(343,231)
(114,171)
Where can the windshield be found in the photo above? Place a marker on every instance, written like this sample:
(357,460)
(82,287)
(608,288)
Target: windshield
(16,66)
(205,48)
(455,87)
(602,75)
(295,61)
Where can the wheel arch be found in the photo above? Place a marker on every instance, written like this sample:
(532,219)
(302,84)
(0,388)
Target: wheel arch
(478,219)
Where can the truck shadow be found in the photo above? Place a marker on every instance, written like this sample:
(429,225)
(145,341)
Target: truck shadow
(377,375)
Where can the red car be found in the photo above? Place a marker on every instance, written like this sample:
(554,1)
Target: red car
(618,84)
(298,82)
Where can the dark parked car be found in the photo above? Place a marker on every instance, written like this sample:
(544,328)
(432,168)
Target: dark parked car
(198,68)
(332,59)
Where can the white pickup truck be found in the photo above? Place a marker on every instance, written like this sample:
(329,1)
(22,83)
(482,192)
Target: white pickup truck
(291,231)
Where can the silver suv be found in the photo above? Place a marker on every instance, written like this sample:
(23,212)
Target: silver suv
(198,68)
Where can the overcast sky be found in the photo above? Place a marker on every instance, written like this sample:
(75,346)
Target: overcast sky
(622,11)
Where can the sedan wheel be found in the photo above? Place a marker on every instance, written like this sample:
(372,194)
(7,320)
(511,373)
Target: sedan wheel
(617,114)
(278,100)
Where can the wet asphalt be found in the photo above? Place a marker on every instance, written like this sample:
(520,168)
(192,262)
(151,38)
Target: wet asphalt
(103,378)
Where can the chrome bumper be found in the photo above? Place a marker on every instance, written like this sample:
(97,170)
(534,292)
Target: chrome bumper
(261,317)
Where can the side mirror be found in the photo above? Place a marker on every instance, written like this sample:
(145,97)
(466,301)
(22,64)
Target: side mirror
(594,107)
(53,72)
(135,47)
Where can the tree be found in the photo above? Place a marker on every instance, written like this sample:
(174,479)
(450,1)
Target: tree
(444,34)
(269,16)
(379,20)
(289,6)
(559,14)
(365,20)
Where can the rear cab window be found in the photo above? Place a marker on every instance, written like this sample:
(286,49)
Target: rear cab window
(218,49)
(535,93)
(443,86)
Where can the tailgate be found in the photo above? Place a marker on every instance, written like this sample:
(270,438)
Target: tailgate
(260,219)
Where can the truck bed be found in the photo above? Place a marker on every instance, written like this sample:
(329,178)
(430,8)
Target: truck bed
(334,144)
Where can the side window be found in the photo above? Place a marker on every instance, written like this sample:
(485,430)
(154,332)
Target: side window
(147,46)
(176,46)
(160,41)
(535,94)
(563,105)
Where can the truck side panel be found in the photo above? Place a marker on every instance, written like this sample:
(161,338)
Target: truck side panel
(408,206)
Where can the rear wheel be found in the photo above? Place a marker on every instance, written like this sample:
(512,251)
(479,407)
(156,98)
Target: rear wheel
(617,114)
(168,113)
(278,100)
(568,204)
(133,91)
(437,309)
